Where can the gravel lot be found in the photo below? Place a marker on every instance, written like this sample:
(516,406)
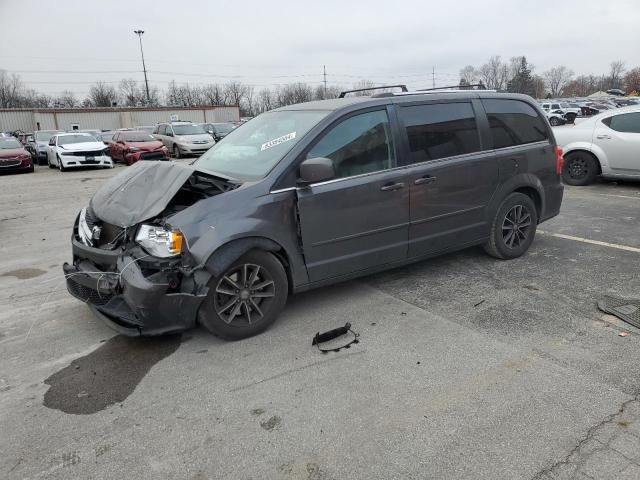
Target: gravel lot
(467,367)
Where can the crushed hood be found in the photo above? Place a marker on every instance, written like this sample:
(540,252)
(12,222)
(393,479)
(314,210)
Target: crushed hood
(140,192)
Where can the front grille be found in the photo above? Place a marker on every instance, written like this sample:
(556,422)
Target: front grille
(86,294)
(9,162)
(92,153)
(151,155)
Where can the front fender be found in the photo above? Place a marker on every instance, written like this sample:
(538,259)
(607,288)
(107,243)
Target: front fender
(592,148)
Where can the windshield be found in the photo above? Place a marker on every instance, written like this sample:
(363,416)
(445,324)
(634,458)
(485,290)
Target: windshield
(79,138)
(43,136)
(223,127)
(188,129)
(9,144)
(138,137)
(249,152)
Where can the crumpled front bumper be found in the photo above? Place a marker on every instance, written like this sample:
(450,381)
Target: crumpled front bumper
(119,293)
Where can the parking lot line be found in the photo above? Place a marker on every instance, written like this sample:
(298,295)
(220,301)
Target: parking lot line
(593,242)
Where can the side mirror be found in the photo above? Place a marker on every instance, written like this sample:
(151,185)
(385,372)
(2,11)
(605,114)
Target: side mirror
(314,170)
(52,142)
(29,139)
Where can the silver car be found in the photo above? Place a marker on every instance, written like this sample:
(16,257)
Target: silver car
(184,138)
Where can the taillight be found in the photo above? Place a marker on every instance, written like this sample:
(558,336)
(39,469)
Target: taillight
(559,160)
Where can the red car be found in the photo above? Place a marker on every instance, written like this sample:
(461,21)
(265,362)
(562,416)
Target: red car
(131,145)
(14,157)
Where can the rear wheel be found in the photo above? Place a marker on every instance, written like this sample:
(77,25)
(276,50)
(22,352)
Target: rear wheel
(513,227)
(246,298)
(571,117)
(580,168)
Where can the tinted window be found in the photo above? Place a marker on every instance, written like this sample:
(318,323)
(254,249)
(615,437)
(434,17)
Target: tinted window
(513,122)
(626,122)
(440,130)
(357,145)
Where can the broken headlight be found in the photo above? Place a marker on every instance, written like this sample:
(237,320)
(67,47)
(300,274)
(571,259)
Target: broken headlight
(159,241)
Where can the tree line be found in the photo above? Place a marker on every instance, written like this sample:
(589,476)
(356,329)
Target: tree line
(515,75)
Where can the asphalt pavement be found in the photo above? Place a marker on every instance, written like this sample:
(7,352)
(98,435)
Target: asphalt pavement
(467,367)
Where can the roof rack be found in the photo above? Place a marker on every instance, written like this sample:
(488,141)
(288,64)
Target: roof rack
(479,86)
(403,87)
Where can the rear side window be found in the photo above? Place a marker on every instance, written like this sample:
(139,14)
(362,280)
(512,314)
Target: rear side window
(360,144)
(513,122)
(440,130)
(625,122)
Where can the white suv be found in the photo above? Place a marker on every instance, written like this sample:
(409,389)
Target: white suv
(570,113)
(184,138)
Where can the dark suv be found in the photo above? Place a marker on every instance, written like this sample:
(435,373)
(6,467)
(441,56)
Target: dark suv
(308,195)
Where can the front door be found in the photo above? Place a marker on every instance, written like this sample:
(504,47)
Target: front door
(359,219)
(451,180)
(619,138)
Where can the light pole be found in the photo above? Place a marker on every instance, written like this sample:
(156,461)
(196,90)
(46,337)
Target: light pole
(146,82)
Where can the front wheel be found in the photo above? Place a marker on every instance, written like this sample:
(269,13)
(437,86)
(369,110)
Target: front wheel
(60,165)
(554,121)
(176,151)
(513,227)
(580,168)
(246,298)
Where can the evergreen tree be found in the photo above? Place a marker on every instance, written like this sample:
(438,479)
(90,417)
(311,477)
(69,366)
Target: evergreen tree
(522,81)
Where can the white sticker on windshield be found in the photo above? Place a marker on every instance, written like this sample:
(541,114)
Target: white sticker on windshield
(278,141)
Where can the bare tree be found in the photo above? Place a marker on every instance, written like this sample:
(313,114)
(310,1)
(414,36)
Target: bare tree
(102,95)
(494,73)
(131,94)
(234,92)
(615,74)
(556,78)
(11,90)
(469,75)
(213,94)
(363,84)
(248,106)
(539,86)
(632,80)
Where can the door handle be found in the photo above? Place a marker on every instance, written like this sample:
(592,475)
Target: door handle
(390,187)
(425,179)
(601,137)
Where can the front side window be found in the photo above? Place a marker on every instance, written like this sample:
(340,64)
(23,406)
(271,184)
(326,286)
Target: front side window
(360,144)
(513,122)
(440,130)
(625,122)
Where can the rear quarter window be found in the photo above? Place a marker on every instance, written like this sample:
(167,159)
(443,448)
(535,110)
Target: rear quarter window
(513,122)
(625,122)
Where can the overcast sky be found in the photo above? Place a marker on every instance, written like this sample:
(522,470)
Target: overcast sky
(66,44)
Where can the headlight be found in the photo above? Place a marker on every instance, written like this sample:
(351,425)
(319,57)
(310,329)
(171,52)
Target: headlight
(133,149)
(159,241)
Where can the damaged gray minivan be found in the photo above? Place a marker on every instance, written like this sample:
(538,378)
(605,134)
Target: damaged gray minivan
(308,195)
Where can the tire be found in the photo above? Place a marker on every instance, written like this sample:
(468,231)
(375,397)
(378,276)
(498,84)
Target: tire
(49,163)
(224,312)
(571,117)
(516,210)
(554,121)
(60,165)
(580,168)
(176,151)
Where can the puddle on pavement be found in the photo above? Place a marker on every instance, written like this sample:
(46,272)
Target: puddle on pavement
(107,375)
(24,273)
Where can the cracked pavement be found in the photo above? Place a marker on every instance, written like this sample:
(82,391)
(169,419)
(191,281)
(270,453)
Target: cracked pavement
(467,367)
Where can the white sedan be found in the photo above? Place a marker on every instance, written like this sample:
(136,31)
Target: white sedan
(606,144)
(69,150)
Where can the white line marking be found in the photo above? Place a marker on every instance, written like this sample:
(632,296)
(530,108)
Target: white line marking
(592,242)
(605,195)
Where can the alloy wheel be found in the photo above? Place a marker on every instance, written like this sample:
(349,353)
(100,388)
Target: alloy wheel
(516,226)
(578,168)
(243,293)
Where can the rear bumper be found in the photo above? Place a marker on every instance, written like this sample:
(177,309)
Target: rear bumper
(553,201)
(119,293)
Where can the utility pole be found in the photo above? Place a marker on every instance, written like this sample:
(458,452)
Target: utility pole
(324,68)
(433,76)
(144,68)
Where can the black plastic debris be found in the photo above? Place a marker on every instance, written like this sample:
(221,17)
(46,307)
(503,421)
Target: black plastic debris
(325,337)
(626,309)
